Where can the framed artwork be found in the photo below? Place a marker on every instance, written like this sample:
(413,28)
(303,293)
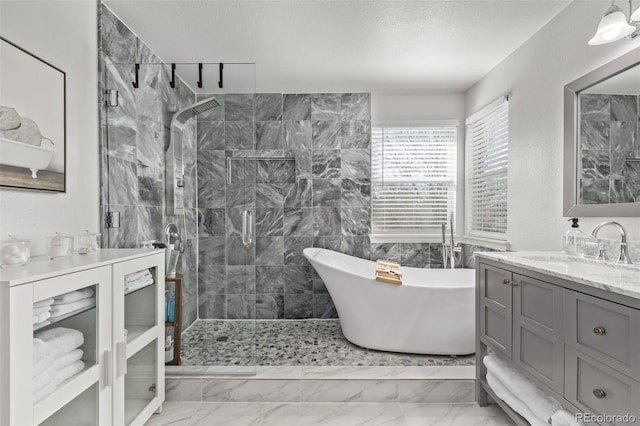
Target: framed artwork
(32,121)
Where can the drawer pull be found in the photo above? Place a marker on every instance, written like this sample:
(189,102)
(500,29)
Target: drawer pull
(599,393)
(506,281)
(599,331)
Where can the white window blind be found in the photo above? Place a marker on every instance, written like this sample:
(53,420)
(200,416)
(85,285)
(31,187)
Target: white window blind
(413,178)
(487,163)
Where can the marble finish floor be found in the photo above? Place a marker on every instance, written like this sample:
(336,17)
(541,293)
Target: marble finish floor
(289,343)
(326,414)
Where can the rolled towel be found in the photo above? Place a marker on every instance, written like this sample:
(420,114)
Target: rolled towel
(37,319)
(564,418)
(28,133)
(74,296)
(9,118)
(61,340)
(38,311)
(67,372)
(538,400)
(67,359)
(513,401)
(43,303)
(58,310)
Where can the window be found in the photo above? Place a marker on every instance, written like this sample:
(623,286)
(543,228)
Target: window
(487,162)
(413,179)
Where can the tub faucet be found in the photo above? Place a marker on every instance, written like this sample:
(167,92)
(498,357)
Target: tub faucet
(624,251)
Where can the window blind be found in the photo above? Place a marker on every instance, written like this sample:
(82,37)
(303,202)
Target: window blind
(413,178)
(487,165)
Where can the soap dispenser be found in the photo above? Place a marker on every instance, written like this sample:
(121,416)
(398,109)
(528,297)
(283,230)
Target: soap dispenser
(573,242)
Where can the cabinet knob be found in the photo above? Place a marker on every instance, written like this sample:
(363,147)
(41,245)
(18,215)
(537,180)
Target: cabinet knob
(599,331)
(599,393)
(514,284)
(506,281)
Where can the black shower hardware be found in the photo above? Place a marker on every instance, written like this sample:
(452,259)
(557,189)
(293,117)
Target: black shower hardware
(172,83)
(220,80)
(200,75)
(135,83)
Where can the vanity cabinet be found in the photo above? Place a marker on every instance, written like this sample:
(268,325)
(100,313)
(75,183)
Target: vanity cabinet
(581,348)
(122,381)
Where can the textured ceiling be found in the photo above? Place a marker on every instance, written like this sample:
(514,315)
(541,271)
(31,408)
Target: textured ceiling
(344,45)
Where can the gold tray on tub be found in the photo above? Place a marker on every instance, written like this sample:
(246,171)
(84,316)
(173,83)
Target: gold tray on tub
(388,272)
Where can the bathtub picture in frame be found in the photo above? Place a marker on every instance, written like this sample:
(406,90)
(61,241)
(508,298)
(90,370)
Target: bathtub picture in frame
(32,121)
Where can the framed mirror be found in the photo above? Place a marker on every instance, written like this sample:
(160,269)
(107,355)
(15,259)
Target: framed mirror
(602,140)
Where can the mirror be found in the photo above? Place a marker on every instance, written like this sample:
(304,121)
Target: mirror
(602,140)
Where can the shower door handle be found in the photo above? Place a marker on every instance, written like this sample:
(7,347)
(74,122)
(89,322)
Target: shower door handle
(247,228)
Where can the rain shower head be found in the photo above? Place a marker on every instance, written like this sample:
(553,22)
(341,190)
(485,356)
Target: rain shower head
(180,117)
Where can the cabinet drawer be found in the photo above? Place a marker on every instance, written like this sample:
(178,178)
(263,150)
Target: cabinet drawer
(604,330)
(495,308)
(596,388)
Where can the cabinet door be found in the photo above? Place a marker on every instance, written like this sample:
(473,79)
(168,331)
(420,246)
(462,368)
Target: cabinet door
(139,351)
(538,345)
(495,308)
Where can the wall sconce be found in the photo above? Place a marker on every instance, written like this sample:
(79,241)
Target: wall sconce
(614,25)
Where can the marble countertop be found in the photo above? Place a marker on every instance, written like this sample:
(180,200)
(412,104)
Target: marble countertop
(616,278)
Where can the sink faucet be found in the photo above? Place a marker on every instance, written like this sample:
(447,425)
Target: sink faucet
(624,253)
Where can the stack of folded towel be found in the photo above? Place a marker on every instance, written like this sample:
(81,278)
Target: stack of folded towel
(42,311)
(73,301)
(56,357)
(137,280)
(524,396)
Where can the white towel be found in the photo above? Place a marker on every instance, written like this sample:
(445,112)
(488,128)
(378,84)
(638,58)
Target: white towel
(137,275)
(38,311)
(513,401)
(38,318)
(40,350)
(44,379)
(74,296)
(43,392)
(138,280)
(40,366)
(58,310)
(564,418)
(61,340)
(538,401)
(43,303)
(67,372)
(67,359)
(135,286)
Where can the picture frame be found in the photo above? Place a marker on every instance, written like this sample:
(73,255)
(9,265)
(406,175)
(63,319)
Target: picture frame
(33,121)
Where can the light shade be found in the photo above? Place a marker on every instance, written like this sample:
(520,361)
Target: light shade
(613,26)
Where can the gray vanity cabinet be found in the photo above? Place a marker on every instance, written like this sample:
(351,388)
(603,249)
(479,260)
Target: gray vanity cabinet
(495,307)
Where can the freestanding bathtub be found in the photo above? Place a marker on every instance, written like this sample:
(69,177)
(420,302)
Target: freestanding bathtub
(30,157)
(432,312)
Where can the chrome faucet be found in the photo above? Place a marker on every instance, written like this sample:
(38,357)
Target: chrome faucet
(624,251)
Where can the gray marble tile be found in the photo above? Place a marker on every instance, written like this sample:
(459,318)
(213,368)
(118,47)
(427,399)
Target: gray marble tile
(275,171)
(623,135)
(358,246)
(183,390)
(150,186)
(355,221)
(356,193)
(297,135)
(326,134)
(356,134)
(298,306)
(212,250)
(123,182)
(293,247)
(303,164)
(210,135)
(595,164)
(269,195)
(269,135)
(213,307)
(355,163)
(435,256)
(349,390)
(325,106)
(239,107)
(238,254)
(241,280)
(298,279)
(323,306)
(318,285)
(326,164)
(117,41)
(149,143)
(415,255)
(624,108)
(594,135)
(437,391)
(327,192)
(298,194)
(211,193)
(239,135)
(211,222)
(211,165)
(595,107)
(296,107)
(211,278)
(269,222)
(269,250)
(214,114)
(268,106)
(269,306)
(241,306)
(326,222)
(355,106)
(594,191)
(388,251)
(243,172)
(270,279)
(298,222)
(240,195)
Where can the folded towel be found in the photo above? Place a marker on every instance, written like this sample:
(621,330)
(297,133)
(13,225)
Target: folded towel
(513,401)
(38,311)
(67,359)
(538,401)
(47,376)
(40,350)
(61,340)
(40,366)
(58,310)
(67,372)
(565,418)
(41,393)
(137,285)
(38,318)
(74,296)
(137,275)
(43,303)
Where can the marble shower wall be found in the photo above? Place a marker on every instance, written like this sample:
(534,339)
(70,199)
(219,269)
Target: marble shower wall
(609,137)
(317,194)
(133,137)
